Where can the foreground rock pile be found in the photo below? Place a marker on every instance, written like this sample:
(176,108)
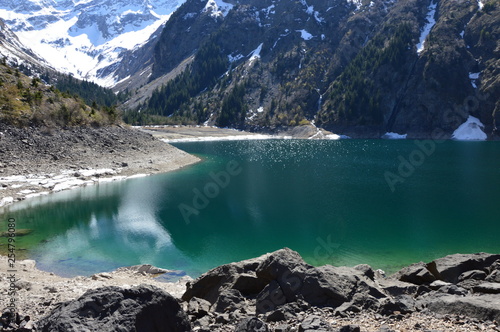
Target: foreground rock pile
(286,294)
(280,292)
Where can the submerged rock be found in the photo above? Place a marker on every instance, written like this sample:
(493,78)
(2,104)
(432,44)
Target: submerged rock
(142,308)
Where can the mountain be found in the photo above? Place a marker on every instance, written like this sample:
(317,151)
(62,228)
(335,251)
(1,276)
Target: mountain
(355,67)
(15,52)
(28,102)
(86,38)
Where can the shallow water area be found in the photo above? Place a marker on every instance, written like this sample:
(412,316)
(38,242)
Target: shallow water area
(381,202)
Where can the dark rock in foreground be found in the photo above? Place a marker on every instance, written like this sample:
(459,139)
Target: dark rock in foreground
(143,309)
(280,287)
(280,292)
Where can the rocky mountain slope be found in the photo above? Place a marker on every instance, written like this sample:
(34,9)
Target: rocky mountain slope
(86,38)
(16,53)
(360,68)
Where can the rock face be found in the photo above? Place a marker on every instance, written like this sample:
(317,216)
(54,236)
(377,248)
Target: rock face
(358,68)
(142,308)
(279,278)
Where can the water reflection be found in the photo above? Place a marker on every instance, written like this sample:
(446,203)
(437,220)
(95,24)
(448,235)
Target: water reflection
(327,200)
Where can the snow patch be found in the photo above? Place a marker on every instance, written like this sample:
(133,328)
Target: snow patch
(305,35)
(269,10)
(221,138)
(189,15)
(217,8)
(473,77)
(6,201)
(391,135)
(235,58)
(480,4)
(428,27)
(255,54)
(357,3)
(470,130)
(318,18)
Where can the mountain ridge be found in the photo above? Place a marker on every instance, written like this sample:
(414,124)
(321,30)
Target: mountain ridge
(357,68)
(86,38)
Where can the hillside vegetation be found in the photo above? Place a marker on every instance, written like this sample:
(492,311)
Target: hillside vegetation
(26,101)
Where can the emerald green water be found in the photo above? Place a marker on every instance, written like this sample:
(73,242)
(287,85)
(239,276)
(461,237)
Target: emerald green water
(329,200)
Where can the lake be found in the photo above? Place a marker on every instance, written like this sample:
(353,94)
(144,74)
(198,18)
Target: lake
(387,203)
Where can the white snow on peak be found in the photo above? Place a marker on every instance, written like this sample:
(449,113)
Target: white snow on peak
(391,135)
(480,4)
(470,130)
(66,33)
(305,35)
(255,54)
(428,27)
(217,8)
(473,77)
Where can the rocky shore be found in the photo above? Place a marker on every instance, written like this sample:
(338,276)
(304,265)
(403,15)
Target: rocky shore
(35,161)
(275,292)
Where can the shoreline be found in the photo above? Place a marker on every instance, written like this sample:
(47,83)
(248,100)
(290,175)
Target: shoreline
(40,293)
(39,162)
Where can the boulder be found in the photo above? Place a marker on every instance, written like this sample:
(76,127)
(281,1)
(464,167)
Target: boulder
(473,274)
(395,287)
(435,285)
(198,307)
(209,285)
(488,287)
(141,308)
(494,276)
(453,289)
(270,298)
(417,274)
(314,323)
(484,307)
(283,277)
(252,324)
(451,267)
(229,300)
(403,304)
(350,328)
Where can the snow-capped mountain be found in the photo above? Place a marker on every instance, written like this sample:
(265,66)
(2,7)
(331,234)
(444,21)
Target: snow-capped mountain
(360,68)
(85,37)
(15,53)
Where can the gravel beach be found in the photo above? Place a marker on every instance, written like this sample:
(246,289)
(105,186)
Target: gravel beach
(36,161)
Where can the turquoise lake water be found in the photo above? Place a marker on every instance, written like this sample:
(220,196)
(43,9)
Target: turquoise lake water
(381,202)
